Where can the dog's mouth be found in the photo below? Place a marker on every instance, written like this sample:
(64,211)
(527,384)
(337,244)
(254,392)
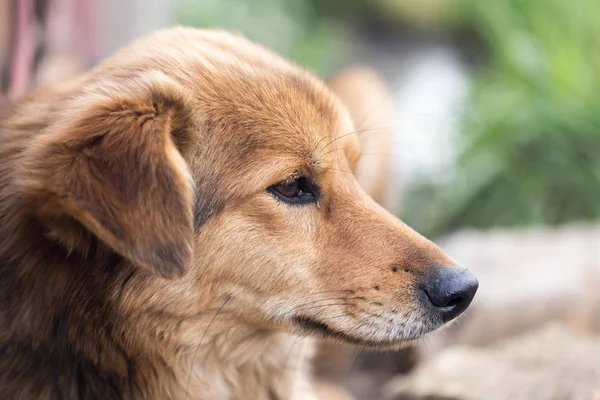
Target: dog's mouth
(313,326)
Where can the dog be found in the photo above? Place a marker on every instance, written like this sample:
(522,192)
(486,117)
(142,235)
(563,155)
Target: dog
(181,221)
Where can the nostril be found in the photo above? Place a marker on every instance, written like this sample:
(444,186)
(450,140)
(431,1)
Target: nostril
(455,302)
(444,302)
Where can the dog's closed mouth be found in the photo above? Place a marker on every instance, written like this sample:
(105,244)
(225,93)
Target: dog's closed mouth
(324,329)
(313,325)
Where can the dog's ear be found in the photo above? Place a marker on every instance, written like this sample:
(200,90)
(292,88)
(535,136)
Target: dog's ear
(115,165)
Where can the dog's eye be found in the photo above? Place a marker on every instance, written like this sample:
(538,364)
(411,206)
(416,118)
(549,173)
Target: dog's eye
(295,191)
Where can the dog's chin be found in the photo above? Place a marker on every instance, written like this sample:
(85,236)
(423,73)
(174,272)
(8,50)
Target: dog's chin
(312,326)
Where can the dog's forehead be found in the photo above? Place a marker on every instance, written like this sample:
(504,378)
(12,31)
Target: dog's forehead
(248,98)
(272,111)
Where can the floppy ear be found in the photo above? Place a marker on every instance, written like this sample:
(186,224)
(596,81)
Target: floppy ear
(115,165)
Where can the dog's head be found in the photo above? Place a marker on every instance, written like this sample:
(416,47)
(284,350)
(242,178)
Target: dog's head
(222,172)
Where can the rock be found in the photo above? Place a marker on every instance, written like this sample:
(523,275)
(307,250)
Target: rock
(551,363)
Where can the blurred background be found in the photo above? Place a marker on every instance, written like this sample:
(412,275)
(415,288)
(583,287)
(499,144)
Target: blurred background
(495,155)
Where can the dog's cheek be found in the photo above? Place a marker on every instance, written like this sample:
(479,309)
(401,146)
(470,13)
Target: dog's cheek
(256,250)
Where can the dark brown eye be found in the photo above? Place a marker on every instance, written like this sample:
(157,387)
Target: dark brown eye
(295,191)
(289,188)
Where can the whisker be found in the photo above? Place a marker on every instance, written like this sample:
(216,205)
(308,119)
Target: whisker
(364,321)
(200,344)
(336,316)
(382,154)
(325,299)
(357,132)
(338,149)
(362,154)
(329,298)
(332,291)
(368,313)
(287,357)
(313,307)
(303,305)
(354,363)
(316,146)
(341,170)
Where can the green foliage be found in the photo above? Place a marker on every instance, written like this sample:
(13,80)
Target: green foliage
(291,27)
(531,151)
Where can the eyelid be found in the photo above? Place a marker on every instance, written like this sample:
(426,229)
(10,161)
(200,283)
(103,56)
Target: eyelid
(291,177)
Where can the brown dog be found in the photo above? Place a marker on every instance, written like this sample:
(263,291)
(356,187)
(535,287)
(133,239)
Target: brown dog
(174,222)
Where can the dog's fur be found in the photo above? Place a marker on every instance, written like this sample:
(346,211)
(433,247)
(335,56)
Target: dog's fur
(142,255)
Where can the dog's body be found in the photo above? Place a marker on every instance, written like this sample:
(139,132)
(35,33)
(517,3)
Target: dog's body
(173,220)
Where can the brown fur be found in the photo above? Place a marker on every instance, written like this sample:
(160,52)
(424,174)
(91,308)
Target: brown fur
(141,256)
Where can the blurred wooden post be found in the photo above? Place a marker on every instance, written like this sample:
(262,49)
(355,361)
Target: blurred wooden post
(23,49)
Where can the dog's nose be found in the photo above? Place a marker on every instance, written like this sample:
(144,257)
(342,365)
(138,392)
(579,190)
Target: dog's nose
(450,290)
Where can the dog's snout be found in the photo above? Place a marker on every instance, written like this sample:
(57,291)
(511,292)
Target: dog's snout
(450,290)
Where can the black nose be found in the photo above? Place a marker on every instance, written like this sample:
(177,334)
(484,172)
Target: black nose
(450,290)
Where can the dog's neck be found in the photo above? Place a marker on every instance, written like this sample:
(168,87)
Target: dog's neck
(233,361)
(253,364)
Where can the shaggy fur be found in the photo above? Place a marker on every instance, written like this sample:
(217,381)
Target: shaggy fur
(143,255)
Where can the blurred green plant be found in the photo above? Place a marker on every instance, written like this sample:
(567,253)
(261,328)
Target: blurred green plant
(531,151)
(294,28)
(425,15)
